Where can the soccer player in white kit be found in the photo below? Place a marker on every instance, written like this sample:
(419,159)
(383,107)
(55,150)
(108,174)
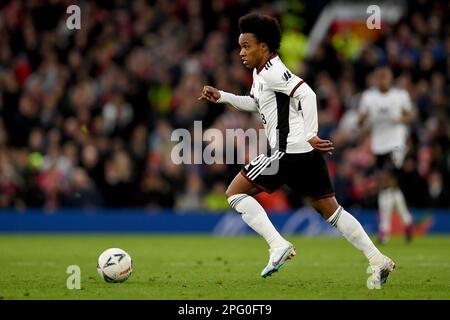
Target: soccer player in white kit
(387,111)
(288,110)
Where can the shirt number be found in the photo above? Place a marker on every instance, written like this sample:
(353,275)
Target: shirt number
(263,118)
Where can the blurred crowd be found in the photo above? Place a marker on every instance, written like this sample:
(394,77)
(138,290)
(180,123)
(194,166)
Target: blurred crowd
(87,115)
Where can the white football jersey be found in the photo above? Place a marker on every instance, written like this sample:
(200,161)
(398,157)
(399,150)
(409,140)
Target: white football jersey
(278,96)
(382,109)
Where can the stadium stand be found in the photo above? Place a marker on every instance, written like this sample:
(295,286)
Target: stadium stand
(86,115)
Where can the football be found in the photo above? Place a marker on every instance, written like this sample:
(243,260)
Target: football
(114,265)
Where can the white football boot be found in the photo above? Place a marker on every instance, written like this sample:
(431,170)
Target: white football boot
(277,258)
(380,273)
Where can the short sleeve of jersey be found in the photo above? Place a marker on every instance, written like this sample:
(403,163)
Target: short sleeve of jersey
(282,80)
(406,101)
(363,103)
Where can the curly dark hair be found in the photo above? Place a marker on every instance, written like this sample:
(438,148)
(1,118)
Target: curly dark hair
(265,28)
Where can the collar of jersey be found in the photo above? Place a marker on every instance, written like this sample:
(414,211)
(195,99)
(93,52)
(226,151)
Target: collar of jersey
(273,55)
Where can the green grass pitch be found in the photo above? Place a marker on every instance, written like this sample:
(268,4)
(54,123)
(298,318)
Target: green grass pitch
(185,267)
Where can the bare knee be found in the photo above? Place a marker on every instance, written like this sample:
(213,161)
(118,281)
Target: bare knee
(229,192)
(233,190)
(326,206)
(241,185)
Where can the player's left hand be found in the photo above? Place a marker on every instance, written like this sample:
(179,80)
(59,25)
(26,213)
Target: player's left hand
(326,146)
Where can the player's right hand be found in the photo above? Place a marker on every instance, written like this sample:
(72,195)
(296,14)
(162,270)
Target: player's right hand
(210,94)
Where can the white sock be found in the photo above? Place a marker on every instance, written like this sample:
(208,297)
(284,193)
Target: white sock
(256,217)
(400,204)
(386,204)
(352,230)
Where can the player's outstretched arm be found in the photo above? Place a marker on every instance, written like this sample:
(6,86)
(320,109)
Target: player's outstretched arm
(243,103)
